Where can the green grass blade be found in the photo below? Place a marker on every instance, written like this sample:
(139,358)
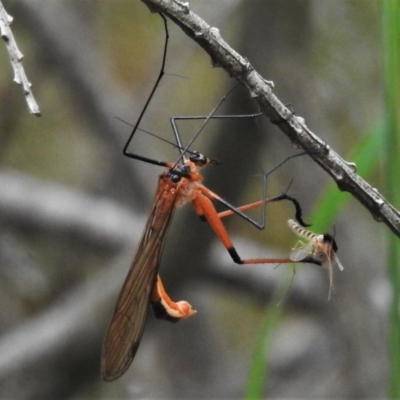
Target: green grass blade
(391,152)
(258,376)
(258,373)
(333,201)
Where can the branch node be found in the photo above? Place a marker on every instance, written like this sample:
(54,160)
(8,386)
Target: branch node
(215,32)
(379,202)
(352,166)
(271,84)
(183,5)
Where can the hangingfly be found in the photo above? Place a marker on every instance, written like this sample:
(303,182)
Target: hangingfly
(179,184)
(321,249)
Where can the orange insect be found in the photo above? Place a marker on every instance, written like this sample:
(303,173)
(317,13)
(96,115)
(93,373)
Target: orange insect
(320,250)
(179,184)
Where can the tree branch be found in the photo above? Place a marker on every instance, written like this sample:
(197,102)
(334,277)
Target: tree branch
(15,57)
(294,127)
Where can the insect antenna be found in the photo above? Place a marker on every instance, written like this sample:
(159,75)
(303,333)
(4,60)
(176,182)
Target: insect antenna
(196,135)
(154,135)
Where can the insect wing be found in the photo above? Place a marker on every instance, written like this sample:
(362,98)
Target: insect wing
(302,252)
(338,263)
(126,328)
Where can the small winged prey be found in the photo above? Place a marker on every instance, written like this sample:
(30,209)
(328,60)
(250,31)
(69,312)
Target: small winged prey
(320,249)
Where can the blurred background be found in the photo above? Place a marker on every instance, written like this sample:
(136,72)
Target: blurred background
(72,208)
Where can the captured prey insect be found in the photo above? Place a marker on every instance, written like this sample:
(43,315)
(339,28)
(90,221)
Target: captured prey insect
(321,250)
(179,184)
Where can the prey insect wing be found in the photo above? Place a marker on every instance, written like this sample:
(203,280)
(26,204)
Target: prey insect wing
(302,252)
(338,263)
(126,327)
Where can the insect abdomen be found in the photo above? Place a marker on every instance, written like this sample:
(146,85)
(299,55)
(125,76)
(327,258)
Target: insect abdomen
(296,228)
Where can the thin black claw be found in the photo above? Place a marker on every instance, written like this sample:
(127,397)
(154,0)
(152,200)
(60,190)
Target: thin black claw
(298,215)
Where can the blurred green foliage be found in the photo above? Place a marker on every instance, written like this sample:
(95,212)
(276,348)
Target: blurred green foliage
(391,152)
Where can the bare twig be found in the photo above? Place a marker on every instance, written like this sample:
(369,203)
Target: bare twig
(294,127)
(15,57)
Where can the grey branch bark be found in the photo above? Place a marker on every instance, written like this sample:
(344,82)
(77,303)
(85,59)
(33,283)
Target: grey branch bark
(294,127)
(16,60)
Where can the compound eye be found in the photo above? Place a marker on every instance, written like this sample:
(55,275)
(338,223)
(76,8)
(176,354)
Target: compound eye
(179,172)
(329,238)
(184,169)
(175,178)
